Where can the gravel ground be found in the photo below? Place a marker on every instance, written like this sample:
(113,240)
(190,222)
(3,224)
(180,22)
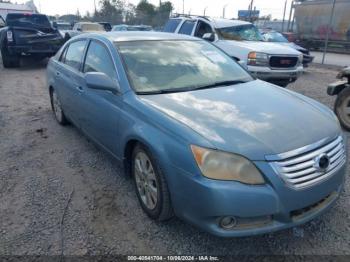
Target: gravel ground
(59,194)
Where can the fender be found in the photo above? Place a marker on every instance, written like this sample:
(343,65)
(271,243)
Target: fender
(337,87)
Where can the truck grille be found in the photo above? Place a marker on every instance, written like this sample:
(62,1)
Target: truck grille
(283,61)
(307,169)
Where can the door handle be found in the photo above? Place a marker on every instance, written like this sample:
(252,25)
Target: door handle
(80,89)
(58,74)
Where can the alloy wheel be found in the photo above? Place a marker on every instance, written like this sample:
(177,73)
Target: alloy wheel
(146,181)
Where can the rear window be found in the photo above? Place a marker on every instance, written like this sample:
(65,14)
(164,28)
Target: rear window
(28,20)
(187,27)
(172,25)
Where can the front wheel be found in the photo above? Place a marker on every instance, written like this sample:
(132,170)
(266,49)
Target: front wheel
(57,108)
(342,108)
(151,187)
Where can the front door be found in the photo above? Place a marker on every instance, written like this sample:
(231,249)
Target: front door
(101,109)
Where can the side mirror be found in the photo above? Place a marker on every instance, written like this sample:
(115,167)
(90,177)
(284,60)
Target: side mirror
(79,29)
(54,25)
(209,37)
(100,81)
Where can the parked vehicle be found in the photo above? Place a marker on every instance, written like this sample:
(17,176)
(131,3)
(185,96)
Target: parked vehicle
(242,41)
(132,28)
(107,26)
(276,37)
(342,104)
(84,27)
(64,29)
(28,34)
(312,20)
(178,113)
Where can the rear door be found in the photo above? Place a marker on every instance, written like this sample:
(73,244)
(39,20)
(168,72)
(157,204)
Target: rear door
(68,79)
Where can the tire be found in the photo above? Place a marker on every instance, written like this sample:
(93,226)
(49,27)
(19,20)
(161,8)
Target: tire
(342,108)
(142,163)
(57,108)
(9,61)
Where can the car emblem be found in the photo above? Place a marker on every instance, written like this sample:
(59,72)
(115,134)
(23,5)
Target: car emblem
(322,163)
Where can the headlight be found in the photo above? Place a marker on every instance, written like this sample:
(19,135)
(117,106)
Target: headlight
(225,166)
(258,59)
(300,59)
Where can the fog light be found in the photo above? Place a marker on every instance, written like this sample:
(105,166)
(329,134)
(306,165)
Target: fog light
(228,222)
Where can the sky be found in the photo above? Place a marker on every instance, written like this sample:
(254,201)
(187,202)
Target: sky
(213,7)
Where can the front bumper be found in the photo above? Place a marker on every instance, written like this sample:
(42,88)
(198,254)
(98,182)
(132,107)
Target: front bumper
(203,202)
(275,75)
(307,59)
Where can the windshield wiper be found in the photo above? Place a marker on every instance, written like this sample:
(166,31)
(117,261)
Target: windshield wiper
(220,83)
(191,88)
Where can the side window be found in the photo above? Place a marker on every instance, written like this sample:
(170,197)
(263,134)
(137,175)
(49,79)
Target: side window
(62,56)
(187,27)
(171,25)
(98,59)
(202,29)
(74,54)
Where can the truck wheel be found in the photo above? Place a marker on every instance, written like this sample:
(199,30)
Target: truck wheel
(342,108)
(9,61)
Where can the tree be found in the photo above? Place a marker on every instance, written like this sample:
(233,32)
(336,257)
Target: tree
(111,11)
(163,12)
(145,12)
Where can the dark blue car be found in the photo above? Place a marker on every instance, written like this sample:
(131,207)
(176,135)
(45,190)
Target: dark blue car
(202,139)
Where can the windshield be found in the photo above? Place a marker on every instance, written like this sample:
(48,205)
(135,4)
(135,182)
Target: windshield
(92,27)
(28,20)
(64,27)
(243,32)
(275,37)
(156,66)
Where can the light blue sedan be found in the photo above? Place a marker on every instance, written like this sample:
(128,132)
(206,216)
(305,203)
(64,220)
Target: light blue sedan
(202,139)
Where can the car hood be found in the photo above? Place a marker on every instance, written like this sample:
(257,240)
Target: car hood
(254,119)
(293,45)
(264,47)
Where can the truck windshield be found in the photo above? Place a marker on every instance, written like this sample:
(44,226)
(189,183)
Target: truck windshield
(92,27)
(168,66)
(64,26)
(28,20)
(242,32)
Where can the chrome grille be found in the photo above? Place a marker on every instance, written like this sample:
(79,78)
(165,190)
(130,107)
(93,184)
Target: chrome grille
(301,169)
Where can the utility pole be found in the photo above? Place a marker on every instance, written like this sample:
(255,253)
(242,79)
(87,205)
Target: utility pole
(95,6)
(284,15)
(290,17)
(223,11)
(183,6)
(205,9)
(250,9)
(328,29)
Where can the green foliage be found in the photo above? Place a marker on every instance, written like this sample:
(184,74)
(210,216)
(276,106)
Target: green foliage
(122,12)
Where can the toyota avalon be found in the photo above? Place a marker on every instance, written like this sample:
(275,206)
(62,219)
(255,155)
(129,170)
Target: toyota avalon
(201,138)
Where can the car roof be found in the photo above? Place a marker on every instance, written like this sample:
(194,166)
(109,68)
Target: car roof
(221,22)
(138,36)
(217,22)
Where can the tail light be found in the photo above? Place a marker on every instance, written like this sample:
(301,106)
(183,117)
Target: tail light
(9,36)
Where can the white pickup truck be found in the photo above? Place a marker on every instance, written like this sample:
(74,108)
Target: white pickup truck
(271,62)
